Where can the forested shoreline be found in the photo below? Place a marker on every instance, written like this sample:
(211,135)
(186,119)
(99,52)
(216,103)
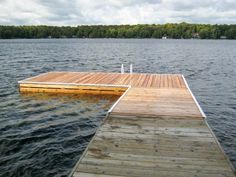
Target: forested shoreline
(169,30)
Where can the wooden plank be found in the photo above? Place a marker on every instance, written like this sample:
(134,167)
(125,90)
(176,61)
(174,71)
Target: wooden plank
(71,89)
(147,171)
(50,77)
(153,81)
(112,80)
(190,146)
(164,166)
(154,159)
(81,174)
(82,79)
(181,82)
(149,82)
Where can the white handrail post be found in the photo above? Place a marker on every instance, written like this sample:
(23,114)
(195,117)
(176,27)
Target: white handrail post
(131,68)
(122,69)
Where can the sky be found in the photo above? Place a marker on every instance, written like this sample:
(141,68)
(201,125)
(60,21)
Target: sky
(115,12)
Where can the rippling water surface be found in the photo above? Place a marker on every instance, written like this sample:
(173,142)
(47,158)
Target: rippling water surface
(45,134)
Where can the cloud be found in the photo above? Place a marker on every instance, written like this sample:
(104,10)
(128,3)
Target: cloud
(80,12)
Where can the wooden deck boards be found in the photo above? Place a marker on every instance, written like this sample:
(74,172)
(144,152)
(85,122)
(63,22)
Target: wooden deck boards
(155,129)
(157,102)
(134,80)
(137,147)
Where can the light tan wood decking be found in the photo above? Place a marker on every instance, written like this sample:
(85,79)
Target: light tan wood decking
(155,129)
(98,78)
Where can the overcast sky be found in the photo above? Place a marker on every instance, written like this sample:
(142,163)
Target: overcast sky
(80,12)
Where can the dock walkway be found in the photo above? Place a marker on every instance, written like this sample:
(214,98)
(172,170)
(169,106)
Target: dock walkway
(156,128)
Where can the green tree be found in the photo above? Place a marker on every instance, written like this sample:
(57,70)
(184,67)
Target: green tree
(171,30)
(204,33)
(231,33)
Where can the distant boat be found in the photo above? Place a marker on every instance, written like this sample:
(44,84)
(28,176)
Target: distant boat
(164,37)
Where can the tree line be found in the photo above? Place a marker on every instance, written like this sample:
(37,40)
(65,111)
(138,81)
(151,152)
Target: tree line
(169,30)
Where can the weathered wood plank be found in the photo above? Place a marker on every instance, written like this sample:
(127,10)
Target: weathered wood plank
(156,159)
(157,165)
(147,172)
(80,174)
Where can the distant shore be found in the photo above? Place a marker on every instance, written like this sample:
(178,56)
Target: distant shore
(113,38)
(158,31)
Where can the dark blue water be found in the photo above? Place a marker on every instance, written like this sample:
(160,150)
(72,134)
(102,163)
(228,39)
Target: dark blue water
(44,135)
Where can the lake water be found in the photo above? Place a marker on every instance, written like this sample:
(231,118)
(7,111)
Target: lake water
(44,135)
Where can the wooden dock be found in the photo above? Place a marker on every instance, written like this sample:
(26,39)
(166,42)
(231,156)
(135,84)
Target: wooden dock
(156,128)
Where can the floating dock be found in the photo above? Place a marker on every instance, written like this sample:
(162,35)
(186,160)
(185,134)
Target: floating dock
(156,128)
